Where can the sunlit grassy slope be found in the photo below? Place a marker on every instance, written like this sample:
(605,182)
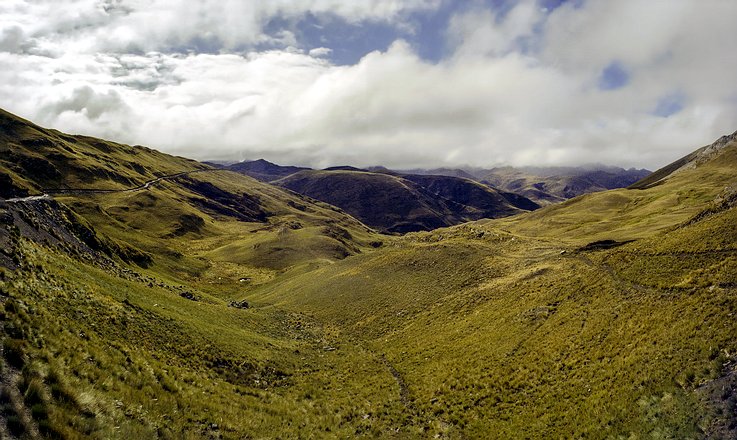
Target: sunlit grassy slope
(32,158)
(118,312)
(98,347)
(503,329)
(625,214)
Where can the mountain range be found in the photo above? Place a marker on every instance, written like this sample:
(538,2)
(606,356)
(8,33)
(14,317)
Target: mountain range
(145,295)
(416,200)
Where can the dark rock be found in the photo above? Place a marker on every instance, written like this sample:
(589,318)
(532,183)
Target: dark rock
(189,295)
(239,304)
(601,245)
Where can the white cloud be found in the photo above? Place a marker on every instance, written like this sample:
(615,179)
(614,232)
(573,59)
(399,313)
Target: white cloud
(320,52)
(519,88)
(86,26)
(481,32)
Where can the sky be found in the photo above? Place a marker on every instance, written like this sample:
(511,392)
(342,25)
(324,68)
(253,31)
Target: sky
(404,84)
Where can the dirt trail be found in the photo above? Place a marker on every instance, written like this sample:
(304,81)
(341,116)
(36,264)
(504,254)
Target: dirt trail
(49,194)
(403,389)
(621,282)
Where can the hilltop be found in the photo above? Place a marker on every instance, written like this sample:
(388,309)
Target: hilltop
(263,170)
(390,202)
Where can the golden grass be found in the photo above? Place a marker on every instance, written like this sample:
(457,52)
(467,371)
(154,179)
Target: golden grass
(491,329)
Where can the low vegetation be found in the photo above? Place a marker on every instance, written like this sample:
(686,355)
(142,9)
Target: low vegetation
(211,305)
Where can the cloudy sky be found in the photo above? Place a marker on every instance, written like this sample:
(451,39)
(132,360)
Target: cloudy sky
(363,82)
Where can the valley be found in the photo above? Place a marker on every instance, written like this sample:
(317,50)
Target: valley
(170,299)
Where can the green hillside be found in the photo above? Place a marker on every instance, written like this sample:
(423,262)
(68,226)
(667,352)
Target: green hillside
(207,304)
(505,329)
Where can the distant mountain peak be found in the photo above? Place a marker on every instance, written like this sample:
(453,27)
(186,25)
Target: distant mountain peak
(343,168)
(262,169)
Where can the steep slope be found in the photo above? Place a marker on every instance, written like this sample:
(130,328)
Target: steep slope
(32,158)
(490,202)
(625,214)
(403,204)
(689,161)
(145,197)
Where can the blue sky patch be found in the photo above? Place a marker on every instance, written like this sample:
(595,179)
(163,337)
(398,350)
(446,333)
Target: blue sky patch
(670,104)
(349,41)
(552,5)
(429,39)
(352,41)
(614,76)
(427,31)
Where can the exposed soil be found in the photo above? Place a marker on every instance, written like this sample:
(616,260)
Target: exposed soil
(721,395)
(403,389)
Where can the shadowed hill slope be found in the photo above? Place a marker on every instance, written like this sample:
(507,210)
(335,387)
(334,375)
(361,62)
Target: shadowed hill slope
(544,185)
(385,202)
(489,201)
(526,188)
(403,204)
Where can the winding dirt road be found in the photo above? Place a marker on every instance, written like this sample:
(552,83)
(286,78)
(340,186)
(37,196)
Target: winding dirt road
(49,194)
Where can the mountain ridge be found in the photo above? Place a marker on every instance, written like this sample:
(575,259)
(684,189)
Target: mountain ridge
(689,160)
(543,185)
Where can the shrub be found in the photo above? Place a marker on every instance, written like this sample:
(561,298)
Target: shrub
(39,412)
(14,350)
(35,392)
(15,425)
